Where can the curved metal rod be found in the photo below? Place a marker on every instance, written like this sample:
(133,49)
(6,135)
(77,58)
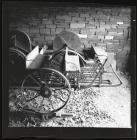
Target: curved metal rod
(18,51)
(28,39)
(30,44)
(91,84)
(115,85)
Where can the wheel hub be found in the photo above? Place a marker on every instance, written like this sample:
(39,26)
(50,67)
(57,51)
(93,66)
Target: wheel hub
(45,91)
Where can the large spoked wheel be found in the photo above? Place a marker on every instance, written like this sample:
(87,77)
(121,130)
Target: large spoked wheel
(45,90)
(16,66)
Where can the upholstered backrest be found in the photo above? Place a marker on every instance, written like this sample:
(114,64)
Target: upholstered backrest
(72,62)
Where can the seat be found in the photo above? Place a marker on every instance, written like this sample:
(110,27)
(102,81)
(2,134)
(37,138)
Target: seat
(91,61)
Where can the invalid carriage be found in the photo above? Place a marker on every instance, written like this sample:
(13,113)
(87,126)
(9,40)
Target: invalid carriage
(46,76)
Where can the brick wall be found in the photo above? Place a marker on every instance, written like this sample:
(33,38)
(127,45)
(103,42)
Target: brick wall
(107,27)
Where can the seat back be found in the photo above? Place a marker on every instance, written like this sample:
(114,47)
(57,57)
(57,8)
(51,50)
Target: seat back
(72,62)
(20,40)
(69,38)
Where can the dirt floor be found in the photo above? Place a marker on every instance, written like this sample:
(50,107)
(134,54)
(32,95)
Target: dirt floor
(95,107)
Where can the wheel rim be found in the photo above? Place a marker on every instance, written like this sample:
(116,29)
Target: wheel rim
(47,92)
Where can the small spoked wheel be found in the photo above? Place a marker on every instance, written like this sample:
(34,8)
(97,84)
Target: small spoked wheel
(45,90)
(57,61)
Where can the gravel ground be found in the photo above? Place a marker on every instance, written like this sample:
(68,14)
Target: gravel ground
(95,107)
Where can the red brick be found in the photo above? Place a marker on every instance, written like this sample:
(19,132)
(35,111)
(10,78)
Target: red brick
(91,19)
(67,22)
(46,21)
(60,21)
(124,25)
(78,19)
(77,25)
(42,31)
(52,17)
(96,23)
(120,30)
(108,37)
(34,30)
(90,23)
(100,37)
(102,23)
(66,29)
(101,29)
(109,43)
(105,26)
(116,41)
(91,32)
(45,31)
(65,17)
(83,31)
(120,34)
(102,44)
(58,30)
(110,48)
(42,26)
(101,33)
(112,30)
(50,26)
(59,17)
(90,26)
(100,12)
(112,33)
(77,31)
(62,26)
(33,35)
(93,37)
(83,9)
(73,14)
(40,39)
(114,26)
(49,38)
(33,24)
(118,37)
(53,32)
(84,15)
(84,41)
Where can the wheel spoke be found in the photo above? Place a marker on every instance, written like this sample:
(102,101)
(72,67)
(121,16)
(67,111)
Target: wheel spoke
(42,100)
(51,103)
(56,63)
(33,98)
(34,79)
(31,88)
(33,83)
(59,98)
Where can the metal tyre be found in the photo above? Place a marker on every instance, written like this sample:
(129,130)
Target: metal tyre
(45,90)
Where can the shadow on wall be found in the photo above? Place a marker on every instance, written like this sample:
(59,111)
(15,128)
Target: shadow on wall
(123,58)
(50,45)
